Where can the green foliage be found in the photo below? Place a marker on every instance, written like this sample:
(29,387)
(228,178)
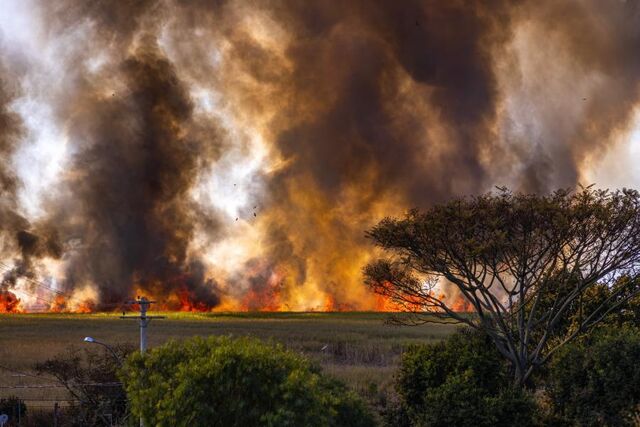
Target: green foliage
(524,264)
(462,381)
(595,381)
(220,381)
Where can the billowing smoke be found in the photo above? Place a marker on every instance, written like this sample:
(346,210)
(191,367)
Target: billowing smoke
(231,154)
(571,87)
(10,220)
(131,179)
(9,137)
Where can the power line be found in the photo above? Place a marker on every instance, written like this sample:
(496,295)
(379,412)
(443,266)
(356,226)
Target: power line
(23,291)
(114,384)
(26,374)
(34,281)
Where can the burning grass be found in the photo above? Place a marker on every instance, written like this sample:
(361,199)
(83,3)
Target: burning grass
(9,303)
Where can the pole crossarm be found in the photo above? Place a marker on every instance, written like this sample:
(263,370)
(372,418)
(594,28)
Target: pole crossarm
(143,317)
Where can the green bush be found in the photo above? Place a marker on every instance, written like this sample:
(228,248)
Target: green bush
(595,381)
(220,381)
(460,381)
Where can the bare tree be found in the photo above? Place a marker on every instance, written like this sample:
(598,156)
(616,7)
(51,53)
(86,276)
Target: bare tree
(523,263)
(90,378)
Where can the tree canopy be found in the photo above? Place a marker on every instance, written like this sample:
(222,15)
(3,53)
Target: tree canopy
(460,381)
(523,262)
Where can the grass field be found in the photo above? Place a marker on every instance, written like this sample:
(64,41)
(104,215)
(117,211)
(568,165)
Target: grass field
(359,348)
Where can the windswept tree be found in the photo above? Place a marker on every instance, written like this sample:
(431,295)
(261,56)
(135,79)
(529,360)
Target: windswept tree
(523,262)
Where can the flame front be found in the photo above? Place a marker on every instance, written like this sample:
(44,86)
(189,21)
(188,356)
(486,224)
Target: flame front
(230,155)
(9,303)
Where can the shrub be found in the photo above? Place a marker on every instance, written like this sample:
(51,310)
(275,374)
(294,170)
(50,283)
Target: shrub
(13,406)
(220,381)
(595,381)
(461,381)
(90,377)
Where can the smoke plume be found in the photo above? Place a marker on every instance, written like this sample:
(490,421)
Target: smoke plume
(230,154)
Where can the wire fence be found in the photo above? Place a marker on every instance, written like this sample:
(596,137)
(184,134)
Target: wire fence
(55,407)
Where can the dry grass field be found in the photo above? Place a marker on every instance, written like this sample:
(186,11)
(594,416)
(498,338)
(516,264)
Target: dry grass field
(359,348)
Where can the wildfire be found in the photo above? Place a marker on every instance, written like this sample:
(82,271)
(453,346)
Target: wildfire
(188,301)
(385,304)
(461,305)
(61,304)
(264,298)
(9,303)
(331,305)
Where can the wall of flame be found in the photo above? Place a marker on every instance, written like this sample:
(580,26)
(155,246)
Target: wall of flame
(229,155)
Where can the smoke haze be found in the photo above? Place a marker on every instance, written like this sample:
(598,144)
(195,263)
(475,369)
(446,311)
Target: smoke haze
(230,154)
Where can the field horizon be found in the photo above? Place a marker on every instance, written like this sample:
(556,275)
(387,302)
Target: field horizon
(356,347)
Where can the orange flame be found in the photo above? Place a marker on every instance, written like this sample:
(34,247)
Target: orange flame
(386,304)
(265,297)
(61,305)
(188,301)
(58,305)
(9,303)
(462,305)
(330,304)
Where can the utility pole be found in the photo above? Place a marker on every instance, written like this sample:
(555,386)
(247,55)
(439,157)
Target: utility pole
(144,304)
(56,408)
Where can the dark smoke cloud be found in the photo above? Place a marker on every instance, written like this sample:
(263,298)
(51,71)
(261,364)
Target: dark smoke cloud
(348,120)
(10,131)
(362,53)
(587,62)
(11,221)
(373,108)
(133,172)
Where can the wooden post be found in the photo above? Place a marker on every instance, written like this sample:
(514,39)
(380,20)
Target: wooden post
(56,407)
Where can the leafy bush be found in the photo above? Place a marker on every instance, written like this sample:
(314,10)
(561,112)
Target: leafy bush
(461,381)
(220,381)
(595,381)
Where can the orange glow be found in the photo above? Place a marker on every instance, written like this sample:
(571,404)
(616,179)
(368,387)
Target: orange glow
(188,301)
(61,305)
(331,305)
(265,297)
(9,303)
(58,305)
(85,307)
(461,305)
(385,304)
